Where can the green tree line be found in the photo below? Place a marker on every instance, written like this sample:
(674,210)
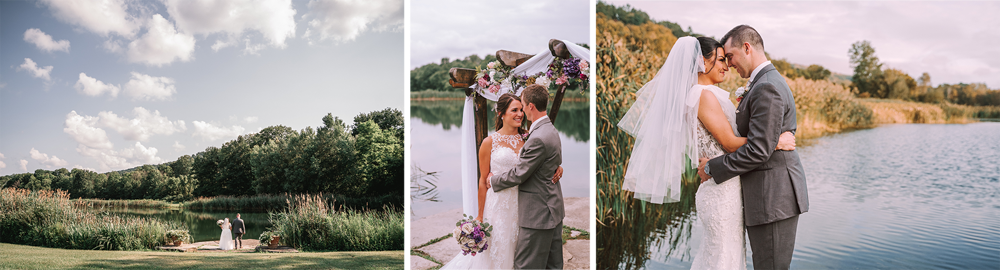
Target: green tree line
(870,79)
(434,76)
(363,159)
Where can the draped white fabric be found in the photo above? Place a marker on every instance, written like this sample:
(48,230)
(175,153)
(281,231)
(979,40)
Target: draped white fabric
(470,183)
(664,122)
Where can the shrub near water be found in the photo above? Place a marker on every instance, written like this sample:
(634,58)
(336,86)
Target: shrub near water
(309,224)
(48,218)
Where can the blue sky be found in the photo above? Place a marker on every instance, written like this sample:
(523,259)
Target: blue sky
(116,85)
(953,41)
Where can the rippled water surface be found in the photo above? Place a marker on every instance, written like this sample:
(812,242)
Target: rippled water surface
(915,196)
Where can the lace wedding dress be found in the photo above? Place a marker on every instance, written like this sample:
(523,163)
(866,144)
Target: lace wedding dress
(719,206)
(500,211)
(226,239)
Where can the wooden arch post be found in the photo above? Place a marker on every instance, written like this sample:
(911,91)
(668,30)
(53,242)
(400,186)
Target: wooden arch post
(464,78)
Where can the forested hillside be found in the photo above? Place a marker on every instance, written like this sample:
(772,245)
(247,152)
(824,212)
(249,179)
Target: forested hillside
(364,159)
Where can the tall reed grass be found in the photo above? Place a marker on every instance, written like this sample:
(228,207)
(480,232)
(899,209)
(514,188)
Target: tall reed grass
(310,223)
(279,202)
(145,203)
(49,219)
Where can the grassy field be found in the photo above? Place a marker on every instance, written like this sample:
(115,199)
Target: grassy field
(29,257)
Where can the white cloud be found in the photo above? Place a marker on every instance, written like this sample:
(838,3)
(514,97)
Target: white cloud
(99,16)
(273,19)
(344,20)
(44,41)
(145,87)
(83,168)
(1,155)
(112,45)
(33,68)
(162,44)
(144,125)
(46,160)
(210,132)
(141,154)
(177,146)
(109,159)
(83,129)
(24,165)
(92,87)
(3,165)
(250,119)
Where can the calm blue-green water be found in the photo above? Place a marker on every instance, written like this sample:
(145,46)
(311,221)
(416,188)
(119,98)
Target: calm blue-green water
(435,136)
(201,225)
(915,196)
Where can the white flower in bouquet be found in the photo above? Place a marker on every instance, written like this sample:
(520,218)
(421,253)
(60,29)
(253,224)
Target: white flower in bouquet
(472,236)
(543,81)
(220,222)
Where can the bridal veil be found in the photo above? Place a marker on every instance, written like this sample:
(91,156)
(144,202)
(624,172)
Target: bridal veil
(664,122)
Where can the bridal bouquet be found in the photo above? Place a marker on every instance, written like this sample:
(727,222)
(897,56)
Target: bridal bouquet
(473,236)
(220,222)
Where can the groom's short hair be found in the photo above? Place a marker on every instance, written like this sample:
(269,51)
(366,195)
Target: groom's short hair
(536,94)
(744,33)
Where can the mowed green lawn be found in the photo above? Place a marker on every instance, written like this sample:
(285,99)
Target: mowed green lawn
(29,257)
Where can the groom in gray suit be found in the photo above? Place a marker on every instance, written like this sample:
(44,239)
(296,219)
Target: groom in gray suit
(774,183)
(539,201)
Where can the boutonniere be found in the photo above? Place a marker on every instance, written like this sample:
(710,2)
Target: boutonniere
(739,93)
(524,136)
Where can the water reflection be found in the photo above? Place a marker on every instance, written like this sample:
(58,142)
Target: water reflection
(201,225)
(644,229)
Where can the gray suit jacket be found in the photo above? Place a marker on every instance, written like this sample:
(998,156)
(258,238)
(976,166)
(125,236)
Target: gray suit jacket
(539,201)
(774,183)
(238,226)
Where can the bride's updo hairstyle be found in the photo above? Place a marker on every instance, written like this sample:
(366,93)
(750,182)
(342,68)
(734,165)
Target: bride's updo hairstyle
(503,103)
(708,48)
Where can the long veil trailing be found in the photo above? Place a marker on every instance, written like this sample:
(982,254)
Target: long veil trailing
(663,121)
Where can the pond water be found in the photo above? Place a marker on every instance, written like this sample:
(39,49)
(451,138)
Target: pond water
(913,196)
(201,225)
(435,135)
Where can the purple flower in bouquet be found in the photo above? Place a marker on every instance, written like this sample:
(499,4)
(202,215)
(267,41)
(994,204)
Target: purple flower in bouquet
(571,66)
(472,236)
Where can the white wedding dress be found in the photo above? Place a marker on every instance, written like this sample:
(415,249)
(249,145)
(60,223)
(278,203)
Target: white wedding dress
(226,240)
(500,212)
(719,206)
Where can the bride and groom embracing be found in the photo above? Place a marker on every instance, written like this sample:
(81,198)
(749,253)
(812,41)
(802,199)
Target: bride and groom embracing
(751,178)
(521,196)
(226,241)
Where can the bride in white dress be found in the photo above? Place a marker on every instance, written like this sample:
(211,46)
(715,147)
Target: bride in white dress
(226,240)
(681,113)
(499,152)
